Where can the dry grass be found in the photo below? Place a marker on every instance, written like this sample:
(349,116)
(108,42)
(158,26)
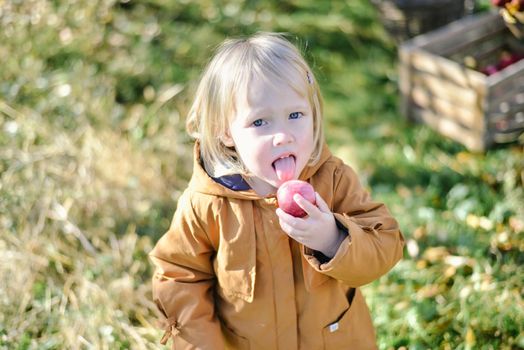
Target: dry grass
(73,268)
(93,157)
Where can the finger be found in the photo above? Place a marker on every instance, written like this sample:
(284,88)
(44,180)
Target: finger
(310,208)
(321,204)
(287,229)
(282,215)
(291,221)
(290,231)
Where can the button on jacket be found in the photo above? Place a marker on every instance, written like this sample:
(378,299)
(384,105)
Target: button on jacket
(227,276)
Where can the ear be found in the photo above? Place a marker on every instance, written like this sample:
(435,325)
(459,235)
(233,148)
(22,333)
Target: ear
(227,140)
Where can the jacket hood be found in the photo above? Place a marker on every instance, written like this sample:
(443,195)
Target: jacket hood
(203,183)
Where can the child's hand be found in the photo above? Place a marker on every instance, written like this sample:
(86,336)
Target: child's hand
(317,230)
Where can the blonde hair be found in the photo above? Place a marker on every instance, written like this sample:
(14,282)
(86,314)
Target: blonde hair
(267,56)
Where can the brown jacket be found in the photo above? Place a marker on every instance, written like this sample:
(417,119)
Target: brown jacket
(228,277)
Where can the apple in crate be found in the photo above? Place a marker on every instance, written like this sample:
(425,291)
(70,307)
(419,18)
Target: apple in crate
(285,194)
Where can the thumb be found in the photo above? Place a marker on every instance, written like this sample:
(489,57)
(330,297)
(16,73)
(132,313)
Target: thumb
(321,204)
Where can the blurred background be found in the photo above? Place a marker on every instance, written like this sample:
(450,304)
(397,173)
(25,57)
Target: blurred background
(93,157)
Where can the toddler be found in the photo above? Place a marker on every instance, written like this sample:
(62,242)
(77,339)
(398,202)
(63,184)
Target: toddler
(236,272)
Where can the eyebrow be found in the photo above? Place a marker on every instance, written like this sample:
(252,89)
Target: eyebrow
(260,112)
(299,107)
(256,113)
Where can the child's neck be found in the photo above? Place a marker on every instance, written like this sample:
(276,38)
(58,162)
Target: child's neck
(262,188)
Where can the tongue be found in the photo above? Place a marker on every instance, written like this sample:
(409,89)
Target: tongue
(285,168)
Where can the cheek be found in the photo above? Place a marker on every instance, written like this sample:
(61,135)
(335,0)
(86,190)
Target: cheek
(305,130)
(255,153)
(307,141)
(249,147)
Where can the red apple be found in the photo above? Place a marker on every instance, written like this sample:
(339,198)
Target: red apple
(491,69)
(286,192)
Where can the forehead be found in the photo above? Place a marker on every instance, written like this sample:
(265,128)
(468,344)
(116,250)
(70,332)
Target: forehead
(261,87)
(261,92)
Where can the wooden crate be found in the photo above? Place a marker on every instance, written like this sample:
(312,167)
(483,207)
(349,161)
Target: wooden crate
(437,88)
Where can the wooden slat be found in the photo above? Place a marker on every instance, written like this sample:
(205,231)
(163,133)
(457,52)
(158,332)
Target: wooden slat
(452,37)
(506,137)
(479,47)
(512,99)
(508,122)
(449,70)
(468,98)
(472,139)
(482,47)
(471,118)
(506,79)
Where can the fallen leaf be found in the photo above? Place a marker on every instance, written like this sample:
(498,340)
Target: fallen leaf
(434,254)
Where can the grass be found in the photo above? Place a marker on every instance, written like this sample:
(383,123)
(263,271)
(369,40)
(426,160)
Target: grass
(93,157)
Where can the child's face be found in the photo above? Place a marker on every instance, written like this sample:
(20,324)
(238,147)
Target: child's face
(272,131)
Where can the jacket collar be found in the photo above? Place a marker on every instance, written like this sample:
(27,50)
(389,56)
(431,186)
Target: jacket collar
(203,183)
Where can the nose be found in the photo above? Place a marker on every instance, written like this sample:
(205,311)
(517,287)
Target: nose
(283,137)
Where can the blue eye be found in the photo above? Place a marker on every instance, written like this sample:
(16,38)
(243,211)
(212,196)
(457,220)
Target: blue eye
(258,122)
(295,115)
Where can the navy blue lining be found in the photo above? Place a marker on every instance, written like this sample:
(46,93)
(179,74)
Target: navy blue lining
(234,182)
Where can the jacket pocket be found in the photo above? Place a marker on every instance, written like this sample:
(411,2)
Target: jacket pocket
(233,340)
(353,329)
(336,334)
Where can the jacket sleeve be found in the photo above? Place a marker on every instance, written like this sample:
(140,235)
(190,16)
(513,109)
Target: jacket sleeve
(374,243)
(183,281)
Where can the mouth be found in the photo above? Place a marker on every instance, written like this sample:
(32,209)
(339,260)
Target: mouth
(287,155)
(284,167)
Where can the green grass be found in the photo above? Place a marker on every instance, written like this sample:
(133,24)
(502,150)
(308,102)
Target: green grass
(93,157)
